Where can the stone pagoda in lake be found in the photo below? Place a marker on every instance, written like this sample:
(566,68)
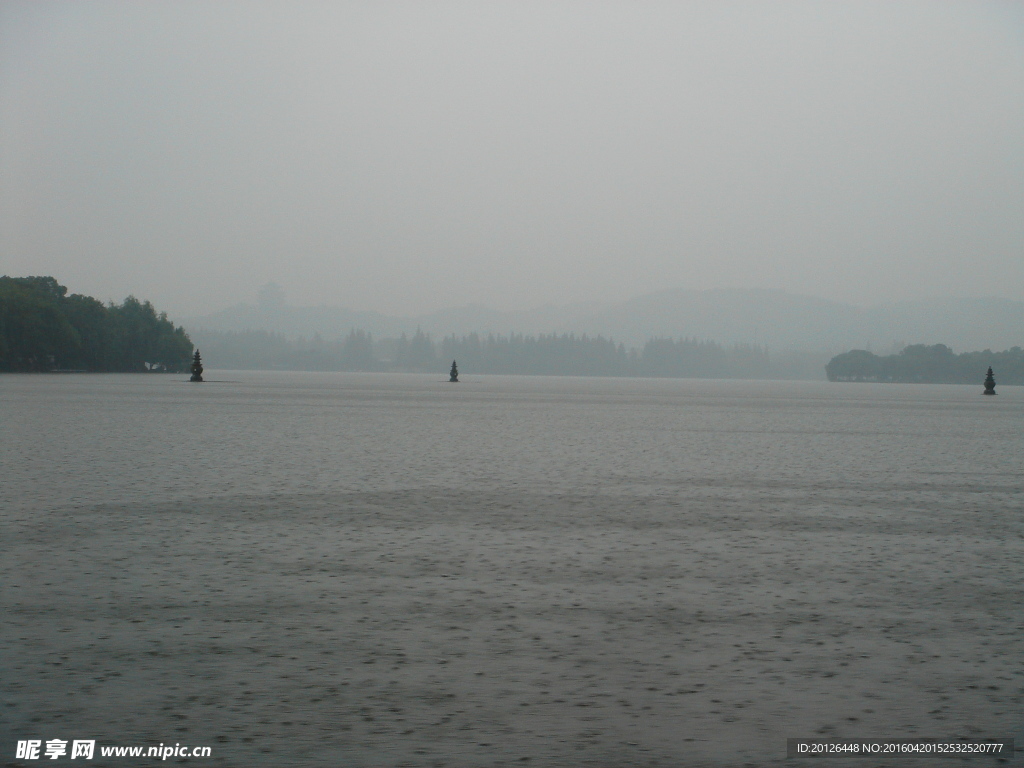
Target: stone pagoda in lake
(990,383)
(197,367)
(453,375)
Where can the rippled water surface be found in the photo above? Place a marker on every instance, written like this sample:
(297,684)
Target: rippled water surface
(350,569)
(74,440)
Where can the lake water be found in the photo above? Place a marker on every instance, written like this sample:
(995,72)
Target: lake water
(390,570)
(74,440)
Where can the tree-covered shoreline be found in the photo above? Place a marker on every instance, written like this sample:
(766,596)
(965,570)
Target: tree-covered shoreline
(43,329)
(543,354)
(923,364)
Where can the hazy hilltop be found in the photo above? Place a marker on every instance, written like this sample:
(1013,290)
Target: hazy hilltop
(964,324)
(272,313)
(776,319)
(786,321)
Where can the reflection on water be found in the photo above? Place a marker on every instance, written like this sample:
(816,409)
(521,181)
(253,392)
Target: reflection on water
(74,440)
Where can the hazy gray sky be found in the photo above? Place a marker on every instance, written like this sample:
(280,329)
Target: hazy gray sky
(410,156)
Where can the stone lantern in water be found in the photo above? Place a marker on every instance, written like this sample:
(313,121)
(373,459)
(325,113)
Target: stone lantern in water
(197,367)
(453,375)
(990,383)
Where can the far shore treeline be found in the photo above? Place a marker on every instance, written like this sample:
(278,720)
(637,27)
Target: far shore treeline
(923,364)
(544,354)
(44,329)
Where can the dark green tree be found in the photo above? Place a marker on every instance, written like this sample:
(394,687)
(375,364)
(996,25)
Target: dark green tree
(44,329)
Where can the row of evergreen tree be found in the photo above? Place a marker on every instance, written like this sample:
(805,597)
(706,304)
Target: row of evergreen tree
(545,354)
(44,329)
(924,364)
(268,351)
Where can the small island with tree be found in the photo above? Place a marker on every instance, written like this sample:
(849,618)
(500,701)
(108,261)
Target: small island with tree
(43,329)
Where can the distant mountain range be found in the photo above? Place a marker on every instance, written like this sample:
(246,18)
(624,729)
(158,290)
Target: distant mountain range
(776,319)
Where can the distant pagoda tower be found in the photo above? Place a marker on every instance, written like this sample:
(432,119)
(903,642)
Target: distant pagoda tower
(454,373)
(990,383)
(197,367)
